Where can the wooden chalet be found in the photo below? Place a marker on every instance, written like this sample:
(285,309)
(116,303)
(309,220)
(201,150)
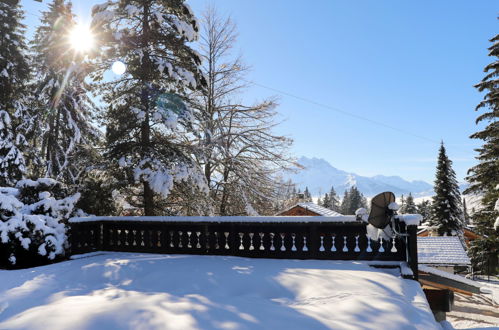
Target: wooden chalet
(309,209)
(468,233)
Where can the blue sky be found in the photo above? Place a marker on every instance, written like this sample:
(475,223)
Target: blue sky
(402,71)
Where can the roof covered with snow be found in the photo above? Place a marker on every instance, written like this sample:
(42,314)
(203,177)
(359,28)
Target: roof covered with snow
(150,291)
(322,211)
(442,250)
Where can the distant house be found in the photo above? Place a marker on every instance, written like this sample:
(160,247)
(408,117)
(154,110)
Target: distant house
(309,209)
(468,233)
(446,253)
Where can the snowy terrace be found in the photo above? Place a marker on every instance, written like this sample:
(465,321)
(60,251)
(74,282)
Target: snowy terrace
(330,238)
(113,290)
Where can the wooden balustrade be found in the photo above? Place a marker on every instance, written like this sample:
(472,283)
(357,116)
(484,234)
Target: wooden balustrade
(290,240)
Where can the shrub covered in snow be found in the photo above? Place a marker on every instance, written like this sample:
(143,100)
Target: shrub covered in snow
(32,226)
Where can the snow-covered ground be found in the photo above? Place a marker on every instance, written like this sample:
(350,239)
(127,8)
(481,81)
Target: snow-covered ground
(474,312)
(148,291)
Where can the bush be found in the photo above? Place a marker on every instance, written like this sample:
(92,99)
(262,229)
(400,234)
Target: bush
(33,222)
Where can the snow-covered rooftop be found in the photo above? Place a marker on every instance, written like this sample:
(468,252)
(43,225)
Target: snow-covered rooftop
(146,291)
(442,250)
(322,211)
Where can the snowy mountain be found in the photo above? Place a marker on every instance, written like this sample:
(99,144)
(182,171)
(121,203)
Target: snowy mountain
(319,176)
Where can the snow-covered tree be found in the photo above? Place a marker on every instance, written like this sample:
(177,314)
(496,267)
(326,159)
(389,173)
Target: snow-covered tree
(12,166)
(409,205)
(14,69)
(353,199)
(425,210)
(334,200)
(14,75)
(326,202)
(237,140)
(147,116)
(484,177)
(466,216)
(306,195)
(447,213)
(32,222)
(63,108)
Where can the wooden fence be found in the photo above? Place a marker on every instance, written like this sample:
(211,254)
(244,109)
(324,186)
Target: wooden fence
(273,237)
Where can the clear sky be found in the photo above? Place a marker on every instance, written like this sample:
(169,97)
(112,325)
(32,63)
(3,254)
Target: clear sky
(402,71)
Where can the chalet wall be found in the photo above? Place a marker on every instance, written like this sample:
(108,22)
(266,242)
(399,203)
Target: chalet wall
(298,211)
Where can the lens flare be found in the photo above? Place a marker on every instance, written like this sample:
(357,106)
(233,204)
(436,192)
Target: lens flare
(81,38)
(118,68)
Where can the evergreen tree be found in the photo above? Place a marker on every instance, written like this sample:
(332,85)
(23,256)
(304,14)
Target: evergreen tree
(12,160)
(447,213)
(425,210)
(345,203)
(64,110)
(306,195)
(14,75)
(327,201)
(409,206)
(320,201)
(353,200)
(147,116)
(466,216)
(334,200)
(484,177)
(14,69)
(402,202)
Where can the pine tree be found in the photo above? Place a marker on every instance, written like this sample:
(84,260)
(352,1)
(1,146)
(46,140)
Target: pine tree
(306,195)
(352,200)
(484,177)
(14,75)
(447,214)
(12,161)
(326,202)
(425,210)
(64,110)
(466,216)
(147,116)
(345,203)
(334,200)
(320,201)
(409,206)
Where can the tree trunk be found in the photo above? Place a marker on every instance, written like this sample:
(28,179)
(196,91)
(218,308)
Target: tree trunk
(145,135)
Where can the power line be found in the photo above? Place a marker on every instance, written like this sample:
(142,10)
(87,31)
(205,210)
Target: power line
(346,113)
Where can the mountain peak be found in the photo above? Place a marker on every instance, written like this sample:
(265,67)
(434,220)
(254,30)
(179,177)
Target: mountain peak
(319,176)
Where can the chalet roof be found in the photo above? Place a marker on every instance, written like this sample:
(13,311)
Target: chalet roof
(442,250)
(444,280)
(325,212)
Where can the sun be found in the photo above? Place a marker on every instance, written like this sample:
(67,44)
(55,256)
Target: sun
(81,38)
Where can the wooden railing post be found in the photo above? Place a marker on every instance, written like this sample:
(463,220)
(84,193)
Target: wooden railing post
(412,249)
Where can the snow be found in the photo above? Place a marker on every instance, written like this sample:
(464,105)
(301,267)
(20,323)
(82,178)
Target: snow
(161,177)
(455,277)
(393,206)
(344,218)
(125,290)
(317,209)
(36,226)
(410,219)
(442,250)
(496,208)
(362,214)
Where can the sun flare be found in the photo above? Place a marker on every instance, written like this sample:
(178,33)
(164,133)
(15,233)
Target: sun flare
(81,38)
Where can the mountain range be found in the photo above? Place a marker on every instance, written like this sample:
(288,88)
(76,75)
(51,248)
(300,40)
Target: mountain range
(319,175)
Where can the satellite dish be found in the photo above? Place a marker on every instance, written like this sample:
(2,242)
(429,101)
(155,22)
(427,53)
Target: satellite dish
(380,215)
